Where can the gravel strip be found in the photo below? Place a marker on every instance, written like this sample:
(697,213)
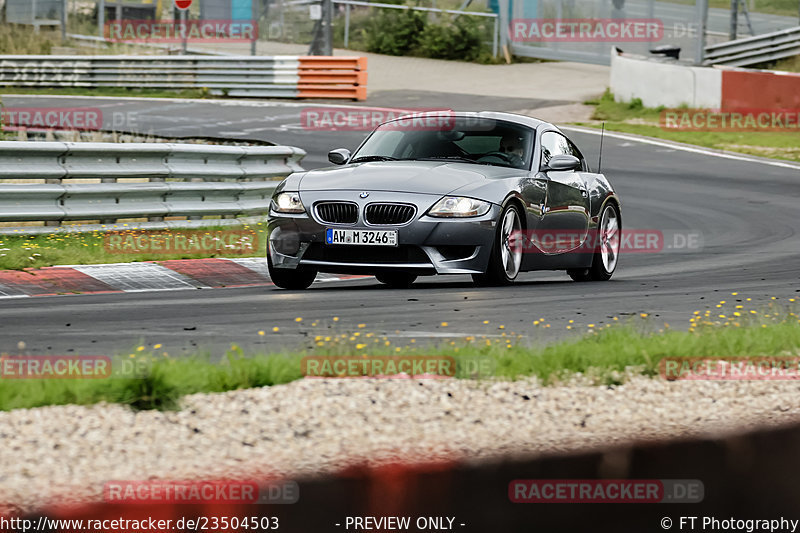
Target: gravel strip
(65,454)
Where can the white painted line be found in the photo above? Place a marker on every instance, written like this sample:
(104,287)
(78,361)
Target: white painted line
(683,147)
(138,277)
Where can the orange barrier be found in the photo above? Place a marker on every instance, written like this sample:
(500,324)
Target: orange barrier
(752,89)
(332,77)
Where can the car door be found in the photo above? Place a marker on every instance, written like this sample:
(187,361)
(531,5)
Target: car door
(564,223)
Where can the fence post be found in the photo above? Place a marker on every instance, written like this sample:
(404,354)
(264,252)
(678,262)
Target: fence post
(101,17)
(64,7)
(496,36)
(346,24)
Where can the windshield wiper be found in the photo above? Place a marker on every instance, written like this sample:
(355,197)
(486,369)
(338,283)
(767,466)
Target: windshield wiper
(367,158)
(448,157)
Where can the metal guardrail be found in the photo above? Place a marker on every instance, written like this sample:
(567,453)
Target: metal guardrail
(755,50)
(260,76)
(182,180)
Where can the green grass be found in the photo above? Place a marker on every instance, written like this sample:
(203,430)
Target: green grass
(602,354)
(791,64)
(633,117)
(18,252)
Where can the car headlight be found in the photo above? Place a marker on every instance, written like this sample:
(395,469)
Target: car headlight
(288,202)
(459,206)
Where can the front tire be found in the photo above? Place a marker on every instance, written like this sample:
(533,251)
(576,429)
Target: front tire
(290,279)
(606,255)
(396,280)
(506,256)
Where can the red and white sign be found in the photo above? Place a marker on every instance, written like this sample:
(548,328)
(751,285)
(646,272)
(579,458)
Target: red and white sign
(183,5)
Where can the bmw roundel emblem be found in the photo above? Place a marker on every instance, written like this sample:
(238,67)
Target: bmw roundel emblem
(363,194)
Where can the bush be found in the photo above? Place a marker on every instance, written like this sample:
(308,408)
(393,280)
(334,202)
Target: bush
(394,32)
(458,39)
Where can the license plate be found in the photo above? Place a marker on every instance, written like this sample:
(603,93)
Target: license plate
(361,236)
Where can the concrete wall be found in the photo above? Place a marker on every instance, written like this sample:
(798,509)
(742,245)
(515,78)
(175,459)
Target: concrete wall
(671,85)
(659,83)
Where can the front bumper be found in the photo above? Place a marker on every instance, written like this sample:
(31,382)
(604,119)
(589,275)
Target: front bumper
(426,245)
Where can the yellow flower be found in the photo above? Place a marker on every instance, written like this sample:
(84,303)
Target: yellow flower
(336,319)
(643,315)
(485,321)
(157,346)
(276,329)
(360,346)
(140,349)
(501,326)
(571,321)
(615,318)
(591,325)
(362,325)
(261,332)
(734,294)
(298,319)
(444,324)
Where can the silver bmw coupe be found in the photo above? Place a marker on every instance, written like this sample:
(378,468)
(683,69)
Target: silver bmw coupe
(487,194)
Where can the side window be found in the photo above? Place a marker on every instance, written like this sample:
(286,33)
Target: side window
(554,144)
(577,153)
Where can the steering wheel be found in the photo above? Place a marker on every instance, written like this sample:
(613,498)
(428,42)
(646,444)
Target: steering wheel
(511,159)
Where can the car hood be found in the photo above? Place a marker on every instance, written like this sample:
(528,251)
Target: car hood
(425,177)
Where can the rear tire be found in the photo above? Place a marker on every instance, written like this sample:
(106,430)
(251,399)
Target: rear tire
(396,280)
(606,255)
(290,279)
(506,256)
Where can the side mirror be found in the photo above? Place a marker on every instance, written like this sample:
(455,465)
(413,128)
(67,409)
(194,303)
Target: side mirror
(339,156)
(563,162)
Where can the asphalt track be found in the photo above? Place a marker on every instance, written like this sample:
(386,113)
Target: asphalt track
(744,210)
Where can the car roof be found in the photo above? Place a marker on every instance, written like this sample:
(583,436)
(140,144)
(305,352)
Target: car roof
(494,115)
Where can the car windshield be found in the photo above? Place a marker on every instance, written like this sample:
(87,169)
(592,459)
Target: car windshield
(459,139)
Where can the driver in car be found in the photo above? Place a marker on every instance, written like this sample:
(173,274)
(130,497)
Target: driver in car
(511,144)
